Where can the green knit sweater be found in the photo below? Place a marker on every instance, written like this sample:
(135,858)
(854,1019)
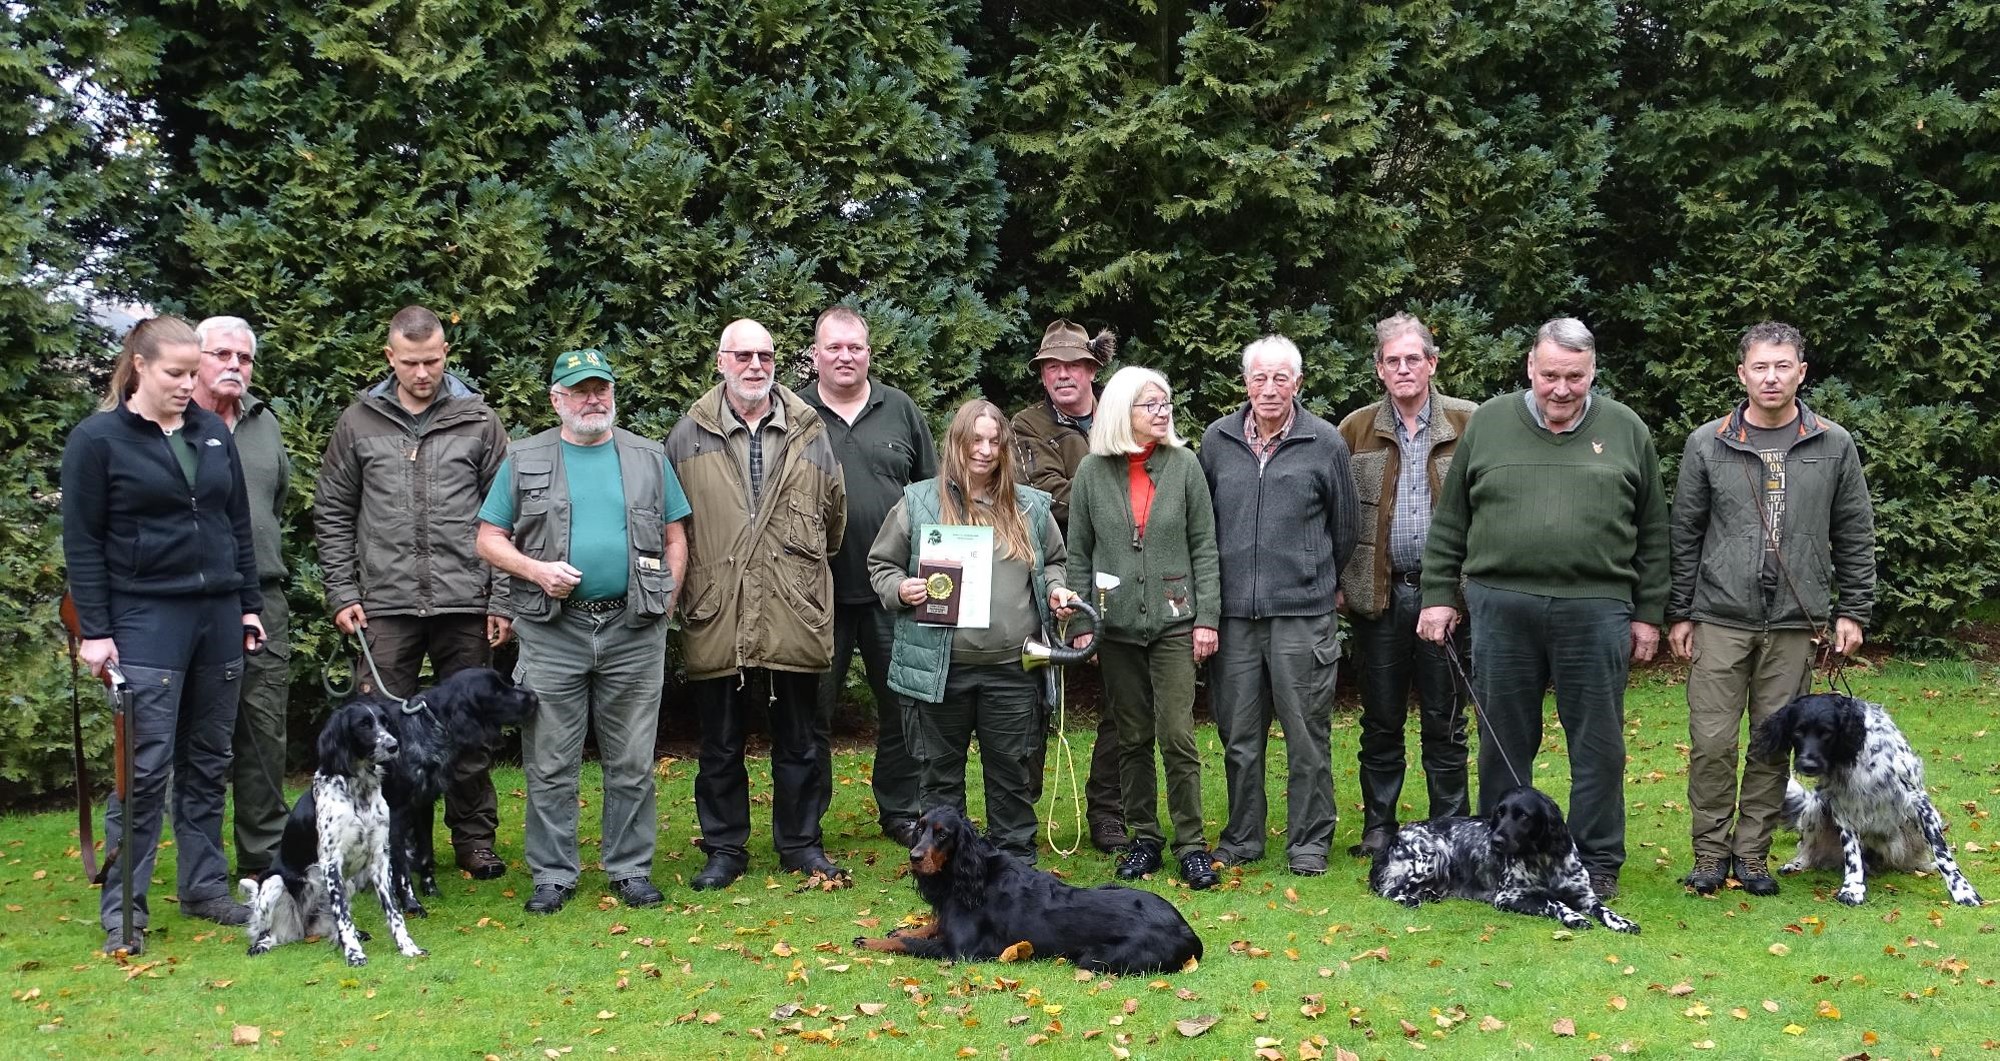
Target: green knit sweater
(1579,514)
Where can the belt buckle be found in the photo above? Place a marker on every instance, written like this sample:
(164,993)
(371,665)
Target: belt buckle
(1410,578)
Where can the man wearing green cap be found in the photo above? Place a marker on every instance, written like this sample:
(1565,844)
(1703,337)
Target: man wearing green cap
(586,520)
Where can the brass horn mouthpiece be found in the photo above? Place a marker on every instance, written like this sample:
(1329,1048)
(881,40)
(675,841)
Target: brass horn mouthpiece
(1036,654)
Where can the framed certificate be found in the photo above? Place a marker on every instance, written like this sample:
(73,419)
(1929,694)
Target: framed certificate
(971,548)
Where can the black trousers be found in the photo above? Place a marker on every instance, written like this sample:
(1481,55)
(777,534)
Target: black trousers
(722,784)
(1394,659)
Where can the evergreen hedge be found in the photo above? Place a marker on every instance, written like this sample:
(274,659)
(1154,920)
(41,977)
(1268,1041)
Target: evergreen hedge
(631,175)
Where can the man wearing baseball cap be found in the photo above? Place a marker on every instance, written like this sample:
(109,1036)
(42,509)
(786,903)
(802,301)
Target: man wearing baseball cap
(587,521)
(1052,437)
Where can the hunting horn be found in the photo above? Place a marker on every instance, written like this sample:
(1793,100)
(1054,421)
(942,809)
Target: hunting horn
(1035,654)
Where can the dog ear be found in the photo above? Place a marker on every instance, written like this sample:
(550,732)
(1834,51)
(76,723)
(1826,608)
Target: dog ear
(1771,741)
(1850,731)
(968,865)
(336,757)
(1551,831)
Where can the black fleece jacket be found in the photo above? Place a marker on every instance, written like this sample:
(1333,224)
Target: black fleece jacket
(132,525)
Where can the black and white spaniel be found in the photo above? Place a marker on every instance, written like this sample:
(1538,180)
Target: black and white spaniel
(336,841)
(1519,858)
(1869,808)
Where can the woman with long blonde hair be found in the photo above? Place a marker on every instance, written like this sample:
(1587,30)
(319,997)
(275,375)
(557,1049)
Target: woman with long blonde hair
(957,681)
(156,535)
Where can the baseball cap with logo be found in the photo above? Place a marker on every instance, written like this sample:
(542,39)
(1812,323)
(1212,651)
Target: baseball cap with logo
(574,366)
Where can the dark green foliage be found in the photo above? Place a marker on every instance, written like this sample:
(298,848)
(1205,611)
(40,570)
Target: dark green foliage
(1831,165)
(1198,177)
(71,78)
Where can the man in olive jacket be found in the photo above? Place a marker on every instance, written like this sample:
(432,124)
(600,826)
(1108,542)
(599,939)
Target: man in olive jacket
(397,509)
(1773,539)
(770,507)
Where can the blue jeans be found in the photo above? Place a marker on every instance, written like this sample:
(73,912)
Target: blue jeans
(1583,647)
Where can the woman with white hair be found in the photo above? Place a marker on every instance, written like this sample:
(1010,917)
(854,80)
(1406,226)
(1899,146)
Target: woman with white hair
(1141,523)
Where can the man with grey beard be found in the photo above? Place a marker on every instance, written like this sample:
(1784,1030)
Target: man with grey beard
(586,519)
(222,386)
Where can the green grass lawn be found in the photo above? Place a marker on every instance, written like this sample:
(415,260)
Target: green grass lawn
(1301,967)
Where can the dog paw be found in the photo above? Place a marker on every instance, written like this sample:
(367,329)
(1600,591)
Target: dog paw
(1851,895)
(429,886)
(1789,868)
(413,951)
(357,960)
(415,909)
(1969,898)
(1619,924)
(1571,919)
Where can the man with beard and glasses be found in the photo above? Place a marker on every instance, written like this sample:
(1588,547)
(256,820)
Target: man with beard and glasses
(757,613)
(586,518)
(222,386)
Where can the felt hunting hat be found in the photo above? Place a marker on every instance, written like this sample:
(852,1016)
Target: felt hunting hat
(1064,341)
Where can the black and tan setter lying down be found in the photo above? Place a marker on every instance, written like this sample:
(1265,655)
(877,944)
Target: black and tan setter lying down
(984,901)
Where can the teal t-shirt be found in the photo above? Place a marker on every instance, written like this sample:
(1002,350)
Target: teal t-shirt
(597,545)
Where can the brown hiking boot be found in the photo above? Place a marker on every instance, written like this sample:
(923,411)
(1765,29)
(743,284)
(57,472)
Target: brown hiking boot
(1707,875)
(1755,876)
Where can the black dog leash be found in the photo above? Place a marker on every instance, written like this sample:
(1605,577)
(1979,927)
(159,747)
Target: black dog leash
(1451,653)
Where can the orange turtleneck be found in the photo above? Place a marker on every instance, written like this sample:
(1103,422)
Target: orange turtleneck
(1141,486)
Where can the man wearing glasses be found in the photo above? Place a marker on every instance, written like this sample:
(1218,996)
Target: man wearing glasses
(757,611)
(1284,526)
(222,386)
(1402,448)
(590,522)
(397,504)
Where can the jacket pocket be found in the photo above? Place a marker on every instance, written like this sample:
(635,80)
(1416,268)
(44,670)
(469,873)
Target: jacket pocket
(804,532)
(652,583)
(1180,598)
(705,589)
(808,587)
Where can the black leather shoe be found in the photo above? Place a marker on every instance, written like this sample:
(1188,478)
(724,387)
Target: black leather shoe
(720,872)
(1137,860)
(817,864)
(902,830)
(636,891)
(548,898)
(1373,843)
(1605,884)
(1198,870)
(221,909)
(115,941)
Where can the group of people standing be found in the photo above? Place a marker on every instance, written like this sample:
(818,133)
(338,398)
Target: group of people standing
(784,529)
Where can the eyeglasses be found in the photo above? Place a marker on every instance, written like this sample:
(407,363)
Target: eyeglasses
(746,357)
(242,357)
(1156,408)
(1397,364)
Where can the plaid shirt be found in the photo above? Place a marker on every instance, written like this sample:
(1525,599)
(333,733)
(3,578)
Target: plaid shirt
(1263,449)
(1410,521)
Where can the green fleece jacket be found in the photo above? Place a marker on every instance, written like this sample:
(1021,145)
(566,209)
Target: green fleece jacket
(1577,514)
(1169,582)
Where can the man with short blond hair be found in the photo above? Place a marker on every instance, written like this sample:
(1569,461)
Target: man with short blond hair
(770,507)
(883,445)
(397,503)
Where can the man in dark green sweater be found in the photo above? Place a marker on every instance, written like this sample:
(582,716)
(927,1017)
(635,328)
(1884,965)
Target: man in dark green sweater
(1554,518)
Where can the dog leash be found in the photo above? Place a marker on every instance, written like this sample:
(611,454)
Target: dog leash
(1064,760)
(334,692)
(1485,738)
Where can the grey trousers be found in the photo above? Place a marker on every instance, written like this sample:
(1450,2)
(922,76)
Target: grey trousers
(1150,689)
(591,669)
(1281,667)
(870,629)
(1761,670)
(259,771)
(1583,647)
